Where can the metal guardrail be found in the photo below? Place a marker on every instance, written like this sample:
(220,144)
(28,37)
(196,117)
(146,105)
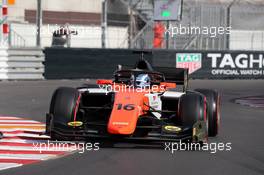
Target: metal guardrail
(21,63)
(143,9)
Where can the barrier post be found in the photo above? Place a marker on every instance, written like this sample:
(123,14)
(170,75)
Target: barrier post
(5,27)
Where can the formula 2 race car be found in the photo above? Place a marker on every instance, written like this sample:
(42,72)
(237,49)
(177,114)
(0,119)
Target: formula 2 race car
(137,104)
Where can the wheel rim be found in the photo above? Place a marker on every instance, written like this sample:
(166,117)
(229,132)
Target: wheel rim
(218,114)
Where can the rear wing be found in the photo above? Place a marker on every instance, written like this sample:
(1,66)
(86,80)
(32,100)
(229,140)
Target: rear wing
(175,75)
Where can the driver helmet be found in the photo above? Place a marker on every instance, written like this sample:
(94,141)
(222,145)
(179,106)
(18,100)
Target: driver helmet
(143,80)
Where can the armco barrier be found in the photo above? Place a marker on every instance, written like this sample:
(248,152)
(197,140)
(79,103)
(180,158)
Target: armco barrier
(21,63)
(86,63)
(100,63)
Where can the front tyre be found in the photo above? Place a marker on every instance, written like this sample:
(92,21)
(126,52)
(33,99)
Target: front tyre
(63,109)
(192,113)
(213,110)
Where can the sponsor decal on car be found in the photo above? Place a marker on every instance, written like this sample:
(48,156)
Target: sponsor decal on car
(191,61)
(172,128)
(155,103)
(75,123)
(120,123)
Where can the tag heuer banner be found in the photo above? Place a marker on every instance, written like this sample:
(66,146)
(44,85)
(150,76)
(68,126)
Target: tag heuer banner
(214,64)
(235,64)
(192,61)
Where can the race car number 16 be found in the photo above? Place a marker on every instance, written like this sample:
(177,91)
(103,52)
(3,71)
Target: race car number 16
(127,107)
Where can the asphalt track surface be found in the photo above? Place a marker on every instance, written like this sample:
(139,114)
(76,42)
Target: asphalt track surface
(243,126)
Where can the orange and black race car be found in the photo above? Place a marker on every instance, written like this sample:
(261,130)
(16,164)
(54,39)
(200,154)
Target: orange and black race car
(137,104)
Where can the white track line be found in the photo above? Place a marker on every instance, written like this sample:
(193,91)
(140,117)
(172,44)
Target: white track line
(20,121)
(21,129)
(4,166)
(33,124)
(25,135)
(16,148)
(11,118)
(27,156)
(36,147)
(22,141)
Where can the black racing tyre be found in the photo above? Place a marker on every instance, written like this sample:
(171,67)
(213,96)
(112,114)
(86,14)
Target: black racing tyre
(63,107)
(191,108)
(213,110)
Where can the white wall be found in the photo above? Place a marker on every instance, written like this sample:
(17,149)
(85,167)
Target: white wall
(246,40)
(91,37)
(16,12)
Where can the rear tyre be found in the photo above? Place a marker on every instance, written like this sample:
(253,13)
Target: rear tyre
(213,110)
(63,108)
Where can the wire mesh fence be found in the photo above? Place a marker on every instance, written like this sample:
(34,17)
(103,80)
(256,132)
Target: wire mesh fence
(242,20)
(243,16)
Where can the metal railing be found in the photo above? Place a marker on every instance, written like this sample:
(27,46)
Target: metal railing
(15,40)
(144,10)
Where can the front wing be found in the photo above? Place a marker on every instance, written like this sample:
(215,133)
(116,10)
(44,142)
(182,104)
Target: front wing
(157,133)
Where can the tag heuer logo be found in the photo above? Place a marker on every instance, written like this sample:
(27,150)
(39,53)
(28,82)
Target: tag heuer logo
(192,61)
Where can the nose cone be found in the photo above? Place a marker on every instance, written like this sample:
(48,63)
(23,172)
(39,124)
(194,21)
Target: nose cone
(123,121)
(122,128)
(125,113)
